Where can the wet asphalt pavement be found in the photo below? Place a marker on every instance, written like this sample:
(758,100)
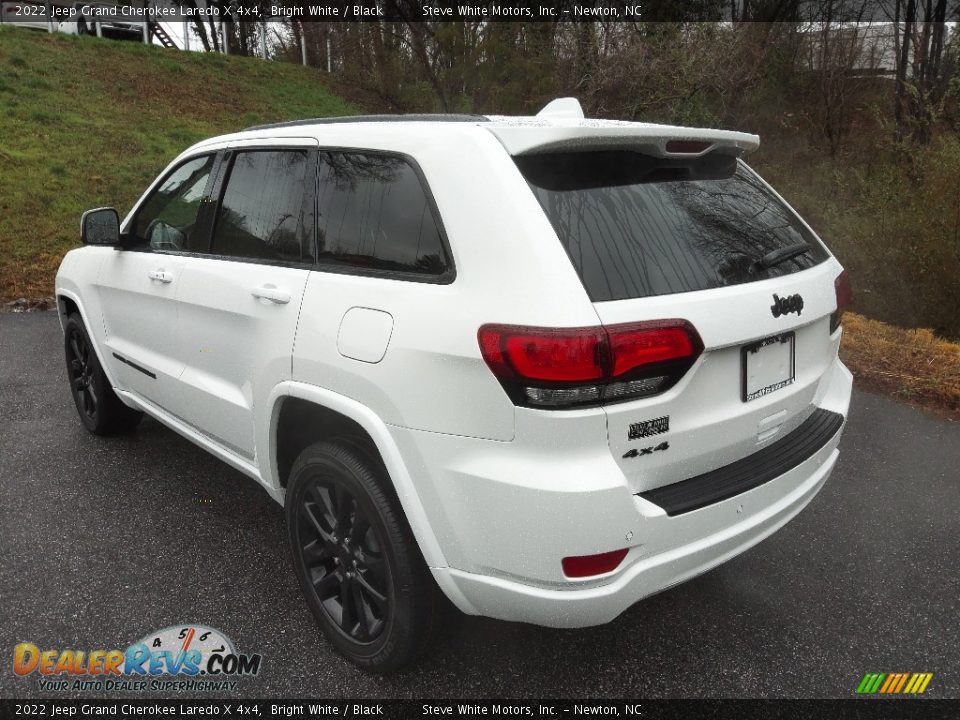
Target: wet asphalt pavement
(105,540)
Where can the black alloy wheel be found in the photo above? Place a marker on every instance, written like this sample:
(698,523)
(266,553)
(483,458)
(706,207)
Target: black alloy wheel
(344,559)
(359,566)
(81,370)
(100,410)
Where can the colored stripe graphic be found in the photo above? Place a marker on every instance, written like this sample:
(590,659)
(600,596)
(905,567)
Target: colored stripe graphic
(900,683)
(870,683)
(865,683)
(894,683)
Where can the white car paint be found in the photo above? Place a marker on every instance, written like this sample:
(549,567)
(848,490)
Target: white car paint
(496,494)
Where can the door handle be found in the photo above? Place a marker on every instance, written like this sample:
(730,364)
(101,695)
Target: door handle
(271,293)
(160,276)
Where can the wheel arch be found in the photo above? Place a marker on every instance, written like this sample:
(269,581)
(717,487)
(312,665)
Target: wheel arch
(69,302)
(345,416)
(301,423)
(66,307)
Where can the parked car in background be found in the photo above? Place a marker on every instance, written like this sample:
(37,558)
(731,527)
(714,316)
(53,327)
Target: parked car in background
(90,17)
(26,14)
(545,366)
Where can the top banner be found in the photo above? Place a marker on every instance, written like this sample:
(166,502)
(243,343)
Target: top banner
(33,11)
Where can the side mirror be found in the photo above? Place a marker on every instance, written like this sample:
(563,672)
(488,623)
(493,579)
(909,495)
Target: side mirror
(100,227)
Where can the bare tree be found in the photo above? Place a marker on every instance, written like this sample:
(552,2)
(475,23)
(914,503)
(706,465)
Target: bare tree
(920,80)
(840,60)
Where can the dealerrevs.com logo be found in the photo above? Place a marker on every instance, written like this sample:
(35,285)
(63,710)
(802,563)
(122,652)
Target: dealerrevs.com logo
(180,657)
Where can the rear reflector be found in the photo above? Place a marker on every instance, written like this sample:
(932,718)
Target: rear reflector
(579,566)
(844,292)
(564,367)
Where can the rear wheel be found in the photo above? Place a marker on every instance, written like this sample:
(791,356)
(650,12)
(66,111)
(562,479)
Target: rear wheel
(100,410)
(358,563)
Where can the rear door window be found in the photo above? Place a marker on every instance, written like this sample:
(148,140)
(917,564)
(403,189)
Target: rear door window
(636,226)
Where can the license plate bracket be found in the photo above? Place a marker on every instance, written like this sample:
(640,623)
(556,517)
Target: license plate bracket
(767,365)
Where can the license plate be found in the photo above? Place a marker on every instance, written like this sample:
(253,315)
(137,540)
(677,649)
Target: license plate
(768,365)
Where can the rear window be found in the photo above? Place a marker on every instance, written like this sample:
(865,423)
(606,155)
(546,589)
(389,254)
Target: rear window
(637,226)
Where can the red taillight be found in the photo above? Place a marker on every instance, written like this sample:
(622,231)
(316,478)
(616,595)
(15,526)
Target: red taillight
(579,566)
(844,292)
(633,348)
(557,367)
(543,354)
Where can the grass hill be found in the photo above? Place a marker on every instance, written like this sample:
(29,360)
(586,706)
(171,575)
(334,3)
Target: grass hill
(89,122)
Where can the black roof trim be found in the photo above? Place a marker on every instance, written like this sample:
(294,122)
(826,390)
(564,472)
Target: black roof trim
(409,117)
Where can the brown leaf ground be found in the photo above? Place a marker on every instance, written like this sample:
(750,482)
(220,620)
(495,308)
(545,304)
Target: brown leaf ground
(913,365)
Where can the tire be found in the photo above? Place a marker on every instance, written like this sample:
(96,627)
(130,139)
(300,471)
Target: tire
(100,410)
(359,566)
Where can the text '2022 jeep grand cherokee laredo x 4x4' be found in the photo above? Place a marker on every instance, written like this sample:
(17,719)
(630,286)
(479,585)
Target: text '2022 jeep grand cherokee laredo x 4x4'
(547,365)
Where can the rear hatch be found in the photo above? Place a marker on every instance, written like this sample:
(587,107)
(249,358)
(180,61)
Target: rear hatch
(674,226)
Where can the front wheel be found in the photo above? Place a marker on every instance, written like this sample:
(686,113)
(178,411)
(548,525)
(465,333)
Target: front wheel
(100,410)
(357,561)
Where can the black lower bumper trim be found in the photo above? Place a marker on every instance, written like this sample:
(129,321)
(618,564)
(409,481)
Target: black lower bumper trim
(750,472)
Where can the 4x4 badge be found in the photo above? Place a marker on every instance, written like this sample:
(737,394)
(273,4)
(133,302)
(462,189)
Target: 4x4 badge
(637,452)
(789,304)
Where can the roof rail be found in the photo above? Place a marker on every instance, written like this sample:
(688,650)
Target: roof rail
(408,117)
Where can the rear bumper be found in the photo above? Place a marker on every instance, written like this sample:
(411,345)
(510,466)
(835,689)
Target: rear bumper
(645,575)
(505,514)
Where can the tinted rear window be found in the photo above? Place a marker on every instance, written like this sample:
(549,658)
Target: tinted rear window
(636,226)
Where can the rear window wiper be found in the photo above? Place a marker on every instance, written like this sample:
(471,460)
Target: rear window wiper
(781,255)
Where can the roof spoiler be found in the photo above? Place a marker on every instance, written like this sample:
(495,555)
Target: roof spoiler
(561,126)
(656,140)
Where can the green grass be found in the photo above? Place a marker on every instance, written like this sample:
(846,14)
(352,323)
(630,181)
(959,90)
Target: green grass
(90,122)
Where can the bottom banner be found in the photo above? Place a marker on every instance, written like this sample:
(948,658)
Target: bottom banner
(686,709)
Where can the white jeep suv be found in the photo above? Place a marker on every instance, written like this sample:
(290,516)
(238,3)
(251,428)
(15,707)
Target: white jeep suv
(545,365)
